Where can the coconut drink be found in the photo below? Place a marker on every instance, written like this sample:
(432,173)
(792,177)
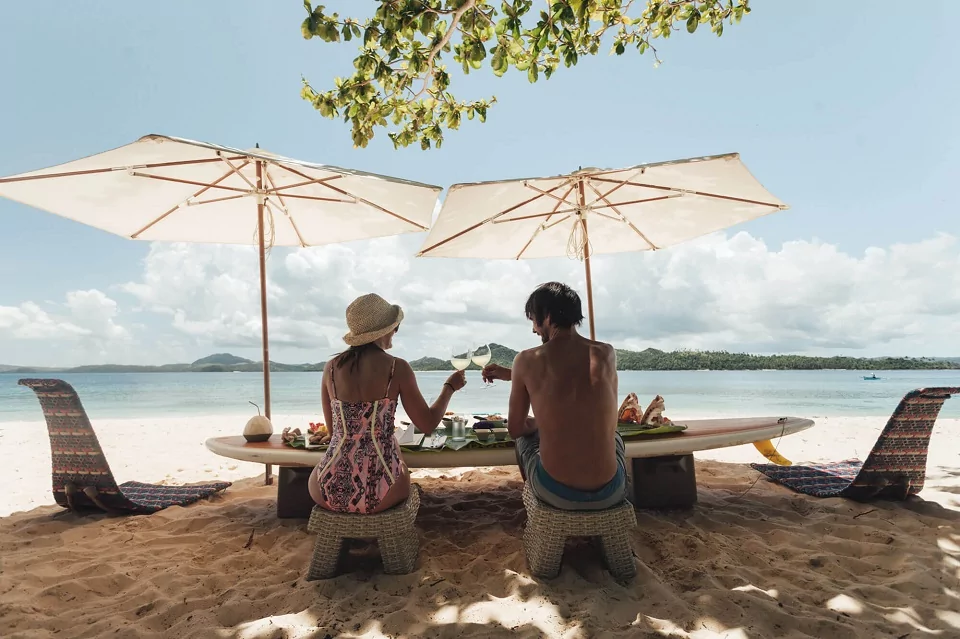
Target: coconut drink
(258,428)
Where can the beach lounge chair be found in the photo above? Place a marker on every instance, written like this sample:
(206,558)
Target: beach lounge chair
(81,476)
(548,529)
(393,529)
(895,468)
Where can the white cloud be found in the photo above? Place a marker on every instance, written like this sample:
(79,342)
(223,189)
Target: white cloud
(87,315)
(720,292)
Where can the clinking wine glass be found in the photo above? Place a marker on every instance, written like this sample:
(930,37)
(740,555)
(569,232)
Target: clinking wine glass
(460,360)
(481,357)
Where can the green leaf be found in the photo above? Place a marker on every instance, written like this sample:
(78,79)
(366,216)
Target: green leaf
(389,86)
(306,28)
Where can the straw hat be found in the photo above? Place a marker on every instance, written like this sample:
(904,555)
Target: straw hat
(370,317)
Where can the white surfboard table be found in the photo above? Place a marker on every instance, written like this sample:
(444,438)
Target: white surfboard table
(661,465)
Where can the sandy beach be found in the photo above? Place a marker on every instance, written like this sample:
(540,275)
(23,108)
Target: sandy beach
(751,560)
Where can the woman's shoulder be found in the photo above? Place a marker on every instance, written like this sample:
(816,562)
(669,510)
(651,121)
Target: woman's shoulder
(401,364)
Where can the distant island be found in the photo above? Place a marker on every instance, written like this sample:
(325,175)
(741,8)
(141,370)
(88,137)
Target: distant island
(650,359)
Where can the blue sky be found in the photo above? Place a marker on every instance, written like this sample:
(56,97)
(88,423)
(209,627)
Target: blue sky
(845,115)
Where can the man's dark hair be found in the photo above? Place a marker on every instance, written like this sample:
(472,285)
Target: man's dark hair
(557,301)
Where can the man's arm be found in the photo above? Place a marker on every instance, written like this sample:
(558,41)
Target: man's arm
(491,372)
(517,422)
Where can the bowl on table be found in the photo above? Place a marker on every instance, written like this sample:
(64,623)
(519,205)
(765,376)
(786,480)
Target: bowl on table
(487,425)
(500,433)
(483,434)
(483,422)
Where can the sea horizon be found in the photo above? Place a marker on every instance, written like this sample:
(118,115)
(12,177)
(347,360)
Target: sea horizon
(688,394)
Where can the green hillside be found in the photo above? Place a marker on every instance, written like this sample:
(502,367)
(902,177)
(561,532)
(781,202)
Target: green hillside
(650,359)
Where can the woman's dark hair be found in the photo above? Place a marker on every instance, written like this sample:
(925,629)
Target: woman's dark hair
(557,301)
(353,354)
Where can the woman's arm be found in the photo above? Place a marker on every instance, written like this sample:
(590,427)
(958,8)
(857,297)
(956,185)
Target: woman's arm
(424,417)
(325,396)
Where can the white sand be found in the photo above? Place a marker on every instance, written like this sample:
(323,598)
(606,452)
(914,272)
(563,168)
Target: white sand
(751,560)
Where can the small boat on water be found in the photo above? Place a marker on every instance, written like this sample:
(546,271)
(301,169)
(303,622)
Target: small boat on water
(870,378)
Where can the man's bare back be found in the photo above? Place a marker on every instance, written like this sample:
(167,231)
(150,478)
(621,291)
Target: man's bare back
(571,384)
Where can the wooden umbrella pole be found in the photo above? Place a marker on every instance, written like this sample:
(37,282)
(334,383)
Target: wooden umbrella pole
(586,259)
(268,479)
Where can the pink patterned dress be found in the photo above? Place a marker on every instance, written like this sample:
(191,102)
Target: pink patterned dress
(363,459)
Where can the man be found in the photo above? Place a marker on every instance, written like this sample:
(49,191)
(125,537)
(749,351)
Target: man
(570,453)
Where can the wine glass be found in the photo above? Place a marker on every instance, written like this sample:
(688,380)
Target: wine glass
(481,357)
(460,360)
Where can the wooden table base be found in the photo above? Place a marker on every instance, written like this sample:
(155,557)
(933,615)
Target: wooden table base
(656,482)
(663,482)
(293,495)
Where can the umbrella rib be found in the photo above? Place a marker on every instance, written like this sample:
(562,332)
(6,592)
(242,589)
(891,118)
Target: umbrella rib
(560,221)
(629,202)
(539,228)
(606,215)
(192,182)
(624,219)
(319,199)
(486,221)
(283,206)
(216,199)
(358,199)
(700,193)
(527,217)
(237,171)
(297,185)
(621,184)
(206,187)
(156,165)
(563,199)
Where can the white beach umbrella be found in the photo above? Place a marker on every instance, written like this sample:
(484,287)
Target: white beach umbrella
(595,211)
(171,189)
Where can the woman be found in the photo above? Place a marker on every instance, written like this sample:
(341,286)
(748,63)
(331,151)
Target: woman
(362,471)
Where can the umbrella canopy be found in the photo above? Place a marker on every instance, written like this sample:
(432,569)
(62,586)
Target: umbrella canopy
(594,211)
(172,189)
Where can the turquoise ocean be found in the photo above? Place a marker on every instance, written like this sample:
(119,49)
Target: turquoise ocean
(687,393)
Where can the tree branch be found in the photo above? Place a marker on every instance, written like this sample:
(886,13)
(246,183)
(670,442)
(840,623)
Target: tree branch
(444,41)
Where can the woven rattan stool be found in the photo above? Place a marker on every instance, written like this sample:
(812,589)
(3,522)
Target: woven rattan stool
(393,529)
(548,529)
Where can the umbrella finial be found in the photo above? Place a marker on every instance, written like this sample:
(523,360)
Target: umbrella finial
(258,145)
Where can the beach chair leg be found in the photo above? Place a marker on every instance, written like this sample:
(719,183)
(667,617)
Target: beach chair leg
(326,556)
(399,552)
(544,552)
(618,554)
(70,490)
(94,496)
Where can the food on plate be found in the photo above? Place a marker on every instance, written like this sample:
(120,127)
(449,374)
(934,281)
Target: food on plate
(654,416)
(289,435)
(494,418)
(319,439)
(630,412)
